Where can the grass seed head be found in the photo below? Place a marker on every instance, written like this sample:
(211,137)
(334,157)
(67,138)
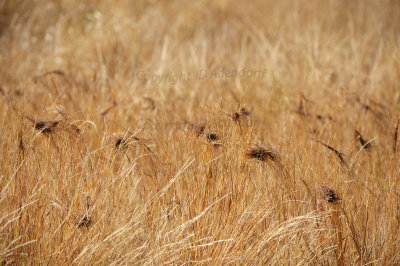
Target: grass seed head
(198,128)
(46,127)
(237,115)
(362,141)
(329,194)
(262,154)
(211,136)
(86,221)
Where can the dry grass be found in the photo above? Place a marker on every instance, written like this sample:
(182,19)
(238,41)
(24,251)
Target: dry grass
(127,167)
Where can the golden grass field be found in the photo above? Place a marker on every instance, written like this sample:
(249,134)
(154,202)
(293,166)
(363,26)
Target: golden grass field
(199,133)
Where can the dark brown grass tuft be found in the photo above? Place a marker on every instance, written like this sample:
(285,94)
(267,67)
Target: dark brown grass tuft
(239,114)
(262,154)
(235,116)
(211,136)
(329,194)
